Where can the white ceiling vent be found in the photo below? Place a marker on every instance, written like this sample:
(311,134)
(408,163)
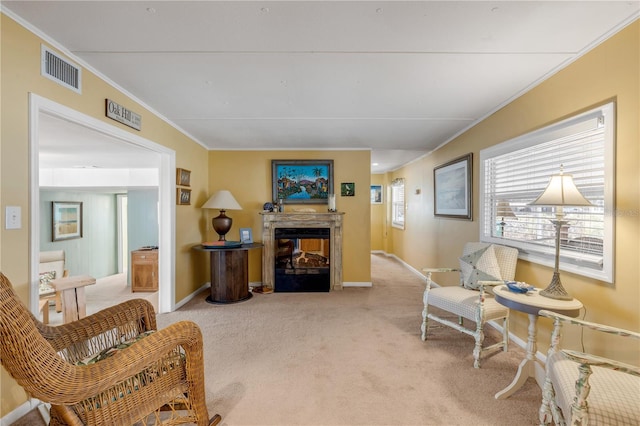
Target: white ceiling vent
(63,72)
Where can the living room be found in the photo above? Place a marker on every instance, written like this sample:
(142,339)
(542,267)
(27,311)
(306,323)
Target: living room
(608,72)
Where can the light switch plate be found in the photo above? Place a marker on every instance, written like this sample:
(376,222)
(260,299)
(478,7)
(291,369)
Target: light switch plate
(12,217)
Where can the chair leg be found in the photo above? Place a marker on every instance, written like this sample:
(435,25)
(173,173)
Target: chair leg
(215,420)
(544,413)
(477,350)
(425,322)
(43,305)
(58,301)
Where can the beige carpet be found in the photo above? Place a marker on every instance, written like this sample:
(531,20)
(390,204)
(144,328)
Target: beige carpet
(104,293)
(351,357)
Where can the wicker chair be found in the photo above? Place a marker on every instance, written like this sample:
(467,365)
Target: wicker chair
(158,377)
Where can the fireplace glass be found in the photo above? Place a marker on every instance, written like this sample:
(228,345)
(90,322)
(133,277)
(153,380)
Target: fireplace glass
(302,260)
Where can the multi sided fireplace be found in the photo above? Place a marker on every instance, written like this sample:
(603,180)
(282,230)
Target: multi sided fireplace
(302,251)
(302,259)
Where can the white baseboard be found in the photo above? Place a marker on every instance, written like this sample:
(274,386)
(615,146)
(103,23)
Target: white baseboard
(512,337)
(357,284)
(190,297)
(19,412)
(406,265)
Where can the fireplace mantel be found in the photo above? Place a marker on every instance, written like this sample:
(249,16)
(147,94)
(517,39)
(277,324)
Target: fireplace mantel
(271,221)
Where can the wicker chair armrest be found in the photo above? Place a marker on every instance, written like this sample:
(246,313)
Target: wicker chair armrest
(77,383)
(597,361)
(593,326)
(66,335)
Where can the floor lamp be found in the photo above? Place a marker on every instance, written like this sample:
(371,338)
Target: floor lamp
(560,192)
(222,200)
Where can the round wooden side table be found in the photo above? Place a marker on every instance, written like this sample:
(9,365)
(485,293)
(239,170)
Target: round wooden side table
(531,303)
(229,272)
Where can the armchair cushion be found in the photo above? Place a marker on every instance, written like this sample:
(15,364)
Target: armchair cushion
(480,265)
(613,398)
(45,288)
(106,353)
(465,303)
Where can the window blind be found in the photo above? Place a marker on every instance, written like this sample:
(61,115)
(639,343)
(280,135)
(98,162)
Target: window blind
(397,203)
(514,173)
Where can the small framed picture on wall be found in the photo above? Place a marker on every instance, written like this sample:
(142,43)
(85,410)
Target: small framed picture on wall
(347,189)
(183,197)
(376,194)
(183,177)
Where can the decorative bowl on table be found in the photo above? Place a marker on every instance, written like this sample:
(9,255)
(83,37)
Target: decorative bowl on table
(519,287)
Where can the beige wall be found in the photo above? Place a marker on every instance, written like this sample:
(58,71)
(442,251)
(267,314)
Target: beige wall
(609,72)
(378,215)
(247,174)
(20,73)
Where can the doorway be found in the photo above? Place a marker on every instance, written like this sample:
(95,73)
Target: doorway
(41,107)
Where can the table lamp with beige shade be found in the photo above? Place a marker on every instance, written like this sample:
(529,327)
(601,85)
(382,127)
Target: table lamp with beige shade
(222,200)
(560,192)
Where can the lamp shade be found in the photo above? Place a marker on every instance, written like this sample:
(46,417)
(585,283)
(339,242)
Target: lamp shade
(561,191)
(222,200)
(503,209)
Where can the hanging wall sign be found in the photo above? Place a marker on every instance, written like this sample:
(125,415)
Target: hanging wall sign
(119,113)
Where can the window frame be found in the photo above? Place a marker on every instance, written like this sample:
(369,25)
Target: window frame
(397,204)
(546,256)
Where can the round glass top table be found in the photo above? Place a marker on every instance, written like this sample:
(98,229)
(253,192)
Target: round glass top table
(531,303)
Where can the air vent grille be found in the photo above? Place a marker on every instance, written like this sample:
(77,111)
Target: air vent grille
(61,71)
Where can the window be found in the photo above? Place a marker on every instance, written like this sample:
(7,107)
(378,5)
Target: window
(397,203)
(514,173)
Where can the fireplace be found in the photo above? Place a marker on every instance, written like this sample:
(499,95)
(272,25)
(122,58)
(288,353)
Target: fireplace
(302,259)
(302,251)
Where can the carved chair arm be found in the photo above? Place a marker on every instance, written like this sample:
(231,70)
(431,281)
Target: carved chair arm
(490,284)
(559,319)
(597,361)
(440,269)
(429,271)
(593,326)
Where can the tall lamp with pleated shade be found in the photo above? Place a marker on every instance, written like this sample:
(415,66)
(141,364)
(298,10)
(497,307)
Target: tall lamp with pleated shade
(560,192)
(222,200)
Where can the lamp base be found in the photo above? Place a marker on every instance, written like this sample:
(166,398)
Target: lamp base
(222,225)
(555,289)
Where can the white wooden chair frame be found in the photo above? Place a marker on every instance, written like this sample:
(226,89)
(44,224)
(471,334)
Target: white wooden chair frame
(581,411)
(475,302)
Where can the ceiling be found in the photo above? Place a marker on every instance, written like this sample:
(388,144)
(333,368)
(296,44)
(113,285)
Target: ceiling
(399,78)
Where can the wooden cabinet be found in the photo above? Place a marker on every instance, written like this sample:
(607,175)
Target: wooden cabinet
(144,270)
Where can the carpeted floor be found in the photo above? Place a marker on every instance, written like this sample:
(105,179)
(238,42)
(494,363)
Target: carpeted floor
(351,357)
(104,293)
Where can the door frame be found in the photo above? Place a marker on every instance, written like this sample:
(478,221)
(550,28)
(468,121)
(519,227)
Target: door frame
(166,194)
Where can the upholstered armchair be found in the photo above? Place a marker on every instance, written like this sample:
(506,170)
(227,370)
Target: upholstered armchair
(582,388)
(482,265)
(110,368)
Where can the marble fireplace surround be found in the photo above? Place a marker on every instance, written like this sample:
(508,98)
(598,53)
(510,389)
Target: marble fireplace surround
(271,221)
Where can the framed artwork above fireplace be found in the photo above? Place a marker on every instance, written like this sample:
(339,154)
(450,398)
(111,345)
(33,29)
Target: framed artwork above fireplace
(302,181)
